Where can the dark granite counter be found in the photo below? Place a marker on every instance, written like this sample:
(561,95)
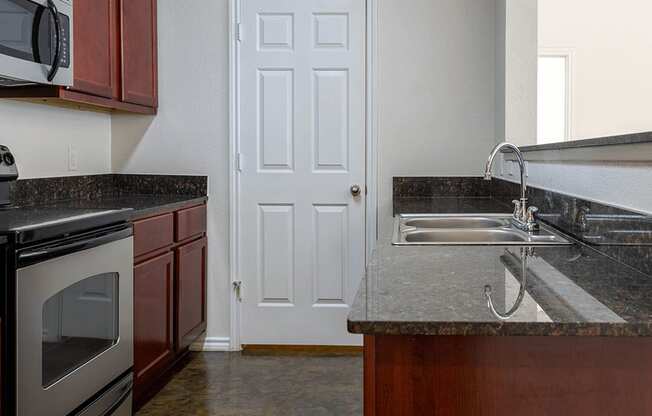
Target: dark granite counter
(148,205)
(562,291)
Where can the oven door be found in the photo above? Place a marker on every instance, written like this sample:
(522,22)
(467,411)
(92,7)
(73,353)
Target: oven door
(35,42)
(74,316)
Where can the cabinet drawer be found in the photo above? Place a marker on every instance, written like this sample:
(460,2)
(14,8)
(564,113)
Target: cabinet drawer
(190,222)
(153,233)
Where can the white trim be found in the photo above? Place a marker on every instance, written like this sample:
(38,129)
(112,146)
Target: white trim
(371,121)
(371,114)
(234,175)
(212,344)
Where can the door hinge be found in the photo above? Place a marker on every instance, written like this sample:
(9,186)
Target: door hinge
(238,32)
(238,162)
(237,288)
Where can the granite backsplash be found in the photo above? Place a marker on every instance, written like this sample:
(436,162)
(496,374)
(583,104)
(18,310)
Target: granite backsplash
(41,191)
(623,235)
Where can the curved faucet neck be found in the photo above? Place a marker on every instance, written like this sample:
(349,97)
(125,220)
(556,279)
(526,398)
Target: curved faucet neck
(519,158)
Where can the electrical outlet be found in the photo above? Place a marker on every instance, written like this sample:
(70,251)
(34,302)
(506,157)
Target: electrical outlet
(510,168)
(73,158)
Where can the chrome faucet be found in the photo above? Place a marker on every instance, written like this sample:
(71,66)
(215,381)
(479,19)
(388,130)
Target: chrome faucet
(524,216)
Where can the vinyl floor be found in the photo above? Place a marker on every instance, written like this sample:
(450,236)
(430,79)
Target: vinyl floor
(232,384)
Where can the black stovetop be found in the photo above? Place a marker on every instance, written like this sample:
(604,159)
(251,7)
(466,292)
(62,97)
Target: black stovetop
(39,223)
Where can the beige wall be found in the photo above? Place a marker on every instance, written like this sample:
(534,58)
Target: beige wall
(190,133)
(436,98)
(612,62)
(40,135)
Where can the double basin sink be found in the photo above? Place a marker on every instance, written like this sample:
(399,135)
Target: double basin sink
(463,229)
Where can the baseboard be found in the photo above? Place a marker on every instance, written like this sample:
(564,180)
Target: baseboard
(302,350)
(211,344)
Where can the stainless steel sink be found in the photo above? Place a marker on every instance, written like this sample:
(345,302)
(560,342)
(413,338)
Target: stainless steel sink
(490,229)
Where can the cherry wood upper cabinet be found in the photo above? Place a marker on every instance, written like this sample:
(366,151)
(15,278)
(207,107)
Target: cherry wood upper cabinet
(114,60)
(97,57)
(139,54)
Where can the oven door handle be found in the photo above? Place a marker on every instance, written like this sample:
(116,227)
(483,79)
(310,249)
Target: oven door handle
(110,401)
(37,255)
(57,40)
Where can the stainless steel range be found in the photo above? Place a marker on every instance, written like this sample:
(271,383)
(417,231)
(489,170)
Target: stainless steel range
(68,305)
(74,319)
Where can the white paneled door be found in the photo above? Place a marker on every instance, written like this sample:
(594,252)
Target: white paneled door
(302,140)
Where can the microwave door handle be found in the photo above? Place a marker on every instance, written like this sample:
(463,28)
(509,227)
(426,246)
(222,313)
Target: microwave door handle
(57,36)
(36,52)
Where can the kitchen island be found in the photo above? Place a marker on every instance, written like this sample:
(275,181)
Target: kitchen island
(490,330)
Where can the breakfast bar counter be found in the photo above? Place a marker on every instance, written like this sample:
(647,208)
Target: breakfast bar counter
(495,330)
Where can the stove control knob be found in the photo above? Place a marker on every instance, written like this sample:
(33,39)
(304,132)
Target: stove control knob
(8,158)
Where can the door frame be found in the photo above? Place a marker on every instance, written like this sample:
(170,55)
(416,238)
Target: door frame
(371,157)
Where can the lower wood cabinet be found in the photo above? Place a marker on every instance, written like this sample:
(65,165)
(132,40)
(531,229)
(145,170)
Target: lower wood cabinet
(190,315)
(153,319)
(170,251)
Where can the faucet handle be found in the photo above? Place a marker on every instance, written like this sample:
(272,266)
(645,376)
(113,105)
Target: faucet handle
(531,213)
(517,208)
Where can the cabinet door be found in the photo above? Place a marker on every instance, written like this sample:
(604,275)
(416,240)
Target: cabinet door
(191,292)
(97,63)
(139,56)
(153,318)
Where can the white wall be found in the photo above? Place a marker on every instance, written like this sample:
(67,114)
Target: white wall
(611,88)
(612,62)
(501,65)
(40,135)
(436,98)
(516,71)
(436,103)
(190,133)
(521,71)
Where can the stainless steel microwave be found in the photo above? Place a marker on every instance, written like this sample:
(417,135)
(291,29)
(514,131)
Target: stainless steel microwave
(36,42)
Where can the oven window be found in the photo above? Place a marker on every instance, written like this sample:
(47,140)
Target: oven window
(79,323)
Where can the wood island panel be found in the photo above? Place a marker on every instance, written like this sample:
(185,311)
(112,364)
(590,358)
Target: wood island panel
(492,376)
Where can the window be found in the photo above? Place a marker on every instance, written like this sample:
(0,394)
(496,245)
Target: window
(79,323)
(553,98)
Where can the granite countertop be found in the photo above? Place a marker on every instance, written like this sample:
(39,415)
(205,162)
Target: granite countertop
(148,205)
(568,290)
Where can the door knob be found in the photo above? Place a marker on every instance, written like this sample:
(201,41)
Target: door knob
(355,190)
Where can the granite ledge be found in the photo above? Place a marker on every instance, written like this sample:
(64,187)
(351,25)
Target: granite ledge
(148,205)
(511,329)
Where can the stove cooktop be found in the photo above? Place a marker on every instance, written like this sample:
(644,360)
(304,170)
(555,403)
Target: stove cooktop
(39,223)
